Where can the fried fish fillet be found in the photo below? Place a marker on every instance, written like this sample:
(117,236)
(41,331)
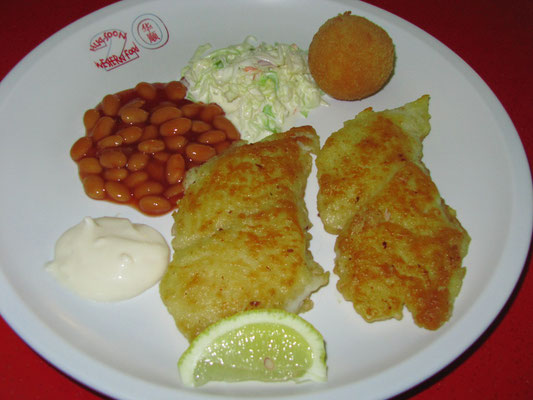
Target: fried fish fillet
(398,243)
(241,234)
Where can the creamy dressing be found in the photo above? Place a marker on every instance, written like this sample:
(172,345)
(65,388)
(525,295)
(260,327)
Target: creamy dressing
(109,259)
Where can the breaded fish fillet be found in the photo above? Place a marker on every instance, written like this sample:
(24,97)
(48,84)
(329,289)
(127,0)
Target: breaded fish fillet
(241,234)
(399,243)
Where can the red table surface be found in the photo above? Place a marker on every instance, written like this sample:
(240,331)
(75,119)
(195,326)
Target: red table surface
(495,37)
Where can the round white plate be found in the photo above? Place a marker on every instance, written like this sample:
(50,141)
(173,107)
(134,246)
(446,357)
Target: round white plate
(130,349)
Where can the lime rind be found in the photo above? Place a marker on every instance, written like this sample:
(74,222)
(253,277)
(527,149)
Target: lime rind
(197,353)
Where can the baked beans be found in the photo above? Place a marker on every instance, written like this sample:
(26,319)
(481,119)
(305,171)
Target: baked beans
(199,152)
(164,114)
(90,117)
(110,105)
(103,127)
(209,137)
(81,148)
(140,143)
(131,134)
(90,165)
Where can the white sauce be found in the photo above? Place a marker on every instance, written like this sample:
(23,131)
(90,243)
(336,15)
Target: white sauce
(109,259)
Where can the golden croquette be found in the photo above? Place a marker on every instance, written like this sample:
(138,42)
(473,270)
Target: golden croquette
(350,57)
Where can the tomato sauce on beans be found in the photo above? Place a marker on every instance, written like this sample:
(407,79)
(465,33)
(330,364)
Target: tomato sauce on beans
(139,144)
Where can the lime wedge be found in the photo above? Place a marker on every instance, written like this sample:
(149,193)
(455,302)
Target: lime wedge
(260,345)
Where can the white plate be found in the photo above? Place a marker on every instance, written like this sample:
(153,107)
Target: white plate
(130,349)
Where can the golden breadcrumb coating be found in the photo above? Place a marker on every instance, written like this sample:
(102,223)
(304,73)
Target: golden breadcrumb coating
(350,57)
(241,234)
(398,242)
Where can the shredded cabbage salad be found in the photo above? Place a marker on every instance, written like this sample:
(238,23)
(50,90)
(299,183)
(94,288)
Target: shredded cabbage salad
(259,86)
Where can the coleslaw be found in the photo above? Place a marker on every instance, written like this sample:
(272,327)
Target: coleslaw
(260,86)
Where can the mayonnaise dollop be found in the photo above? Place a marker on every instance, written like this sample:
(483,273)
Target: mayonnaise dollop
(109,259)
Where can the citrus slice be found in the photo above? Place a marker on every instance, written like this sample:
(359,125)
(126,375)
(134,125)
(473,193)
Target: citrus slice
(260,345)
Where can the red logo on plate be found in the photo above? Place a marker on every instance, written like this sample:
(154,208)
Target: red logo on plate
(114,47)
(149,31)
(114,44)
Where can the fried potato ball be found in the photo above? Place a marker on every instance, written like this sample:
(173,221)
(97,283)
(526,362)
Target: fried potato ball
(350,57)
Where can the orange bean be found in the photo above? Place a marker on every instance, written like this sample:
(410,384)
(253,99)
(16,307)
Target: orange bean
(150,132)
(146,90)
(135,103)
(220,147)
(151,146)
(89,165)
(199,152)
(137,161)
(200,126)
(110,141)
(94,187)
(131,134)
(136,178)
(117,191)
(212,137)
(164,104)
(103,127)
(110,104)
(127,150)
(164,114)
(210,111)
(224,124)
(175,90)
(175,170)
(191,110)
(90,117)
(80,148)
(133,115)
(192,164)
(115,174)
(146,188)
(174,190)
(113,159)
(156,170)
(154,205)
(162,156)
(175,142)
(176,126)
